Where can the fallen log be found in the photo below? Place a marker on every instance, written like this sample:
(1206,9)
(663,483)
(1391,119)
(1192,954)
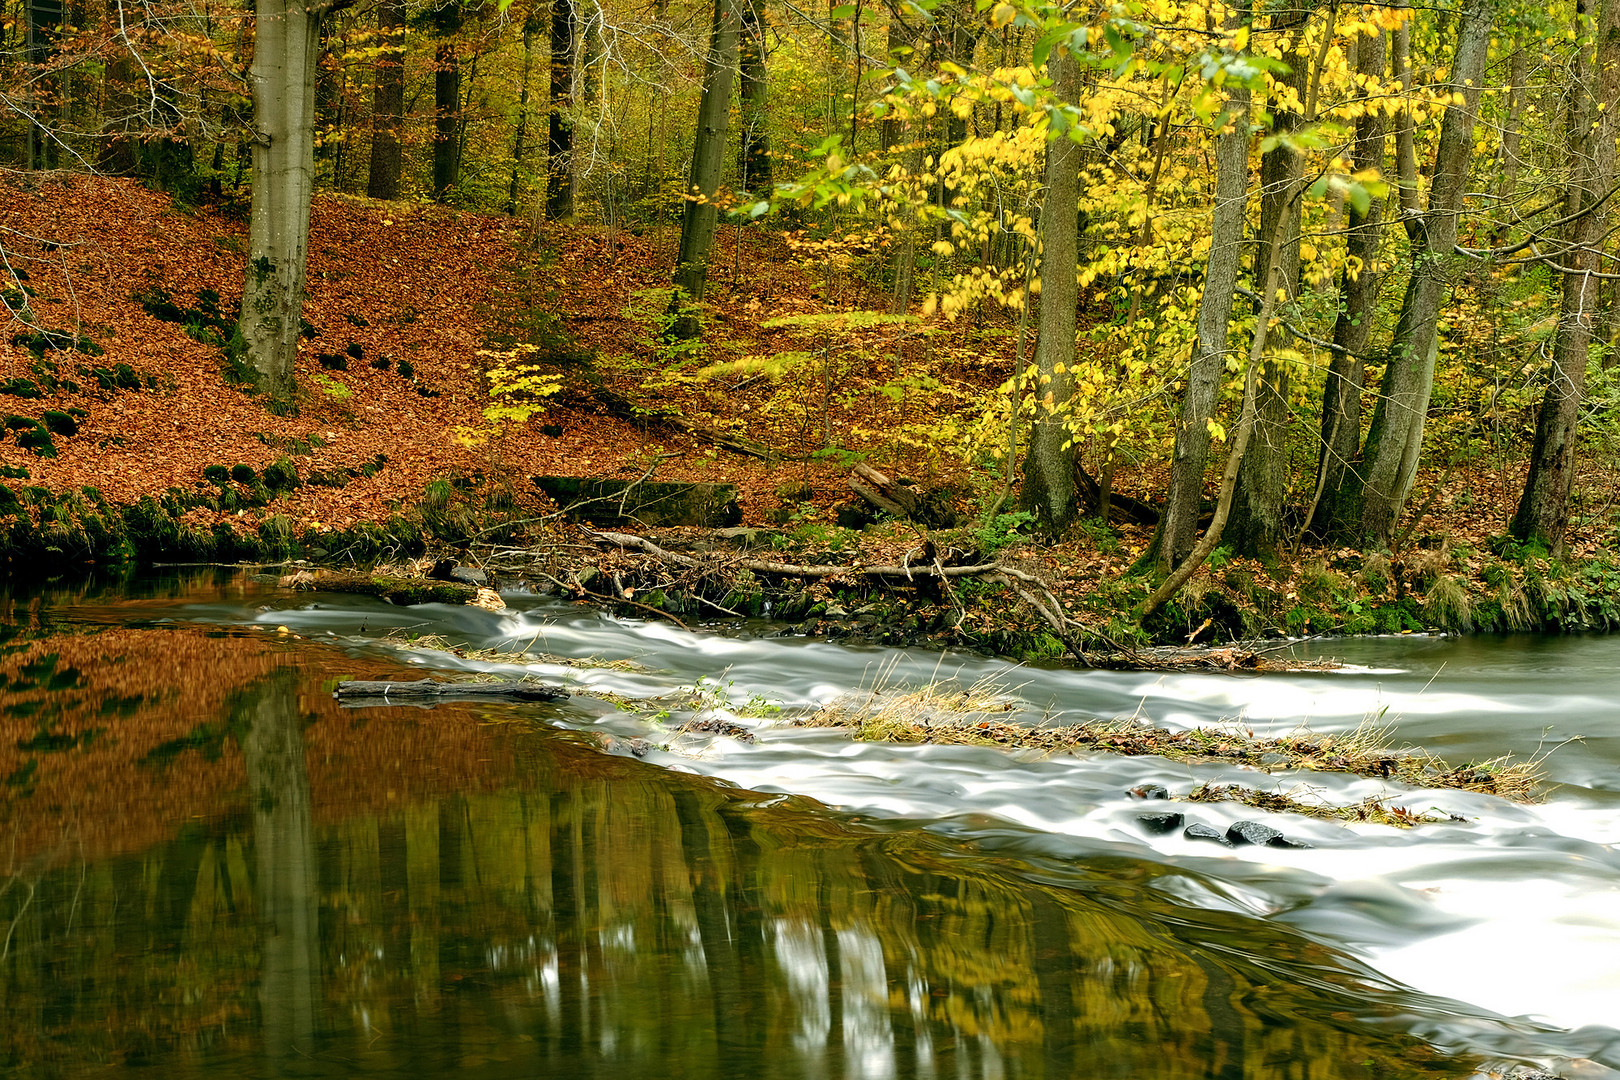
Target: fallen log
(396,590)
(410,693)
(930,507)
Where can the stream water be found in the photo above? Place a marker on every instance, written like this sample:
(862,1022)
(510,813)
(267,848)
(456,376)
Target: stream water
(208,866)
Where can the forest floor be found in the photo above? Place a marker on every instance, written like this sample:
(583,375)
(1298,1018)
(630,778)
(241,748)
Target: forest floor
(403,301)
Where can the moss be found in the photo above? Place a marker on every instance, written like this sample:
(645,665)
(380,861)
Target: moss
(281,476)
(60,423)
(217,474)
(243,474)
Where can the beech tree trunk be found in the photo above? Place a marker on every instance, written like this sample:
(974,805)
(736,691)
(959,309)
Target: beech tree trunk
(1390,457)
(560,138)
(1543,512)
(1049,466)
(708,159)
(1336,511)
(754,156)
(285,56)
(388,103)
(1178,528)
(446,102)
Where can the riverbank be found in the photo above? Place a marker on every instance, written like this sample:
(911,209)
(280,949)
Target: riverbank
(130,444)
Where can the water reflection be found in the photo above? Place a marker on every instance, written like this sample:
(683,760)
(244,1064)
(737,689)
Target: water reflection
(294,889)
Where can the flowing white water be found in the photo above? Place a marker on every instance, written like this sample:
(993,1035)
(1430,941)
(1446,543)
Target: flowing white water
(1513,910)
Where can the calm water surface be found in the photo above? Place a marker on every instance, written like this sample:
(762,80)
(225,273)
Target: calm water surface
(208,867)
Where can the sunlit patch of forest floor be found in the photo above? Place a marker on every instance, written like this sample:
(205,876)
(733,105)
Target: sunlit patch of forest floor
(133,443)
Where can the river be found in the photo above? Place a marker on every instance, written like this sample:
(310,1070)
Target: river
(211,868)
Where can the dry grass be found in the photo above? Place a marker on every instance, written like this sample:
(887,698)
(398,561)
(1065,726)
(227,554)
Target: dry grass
(1372,810)
(948,713)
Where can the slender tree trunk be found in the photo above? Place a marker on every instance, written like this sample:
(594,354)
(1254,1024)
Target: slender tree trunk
(1507,156)
(560,141)
(283,76)
(446,101)
(1335,510)
(1255,525)
(520,146)
(708,160)
(1543,512)
(1178,525)
(1411,200)
(1395,438)
(388,103)
(754,156)
(1049,465)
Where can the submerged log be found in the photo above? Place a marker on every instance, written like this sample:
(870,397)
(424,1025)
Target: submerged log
(423,690)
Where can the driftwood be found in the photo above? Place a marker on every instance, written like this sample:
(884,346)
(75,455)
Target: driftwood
(429,690)
(396,590)
(910,571)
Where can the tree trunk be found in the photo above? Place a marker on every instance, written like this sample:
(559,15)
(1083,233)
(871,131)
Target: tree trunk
(1396,436)
(708,160)
(446,102)
(560,141)
(1255,525)
(754,156)
(520,146)
(1178,528)
(283,74)
(1335,510)
(388,103)
(1543,510)
(1411,200)
(1049,466)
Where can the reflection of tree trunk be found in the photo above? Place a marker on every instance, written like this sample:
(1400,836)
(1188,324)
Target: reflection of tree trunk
(278,786)
(736,1038)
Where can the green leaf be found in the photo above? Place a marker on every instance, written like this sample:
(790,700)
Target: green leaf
(842,11)
(1360,198)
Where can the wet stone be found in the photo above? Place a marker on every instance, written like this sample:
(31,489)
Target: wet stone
(1252,832)
(1159,824)
(1199,831)
(1150,791)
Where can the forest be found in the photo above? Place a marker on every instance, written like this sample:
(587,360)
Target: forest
(1262,317)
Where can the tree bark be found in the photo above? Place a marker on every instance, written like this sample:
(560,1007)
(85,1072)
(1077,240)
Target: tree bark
(1335,510)
(708,160)
(1178,528)
(560,137)
(388,103)
(1396,436)
(1255,525)
(1543,512)
(1411,200)
(754,156)
(520,146)
(1049,465)
(283,76)
(446,102)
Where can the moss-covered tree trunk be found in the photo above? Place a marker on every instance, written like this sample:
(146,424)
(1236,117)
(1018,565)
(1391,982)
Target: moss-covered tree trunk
(388,102)
(1049,466)
(754,153)
(1178,526)
(1390,457)
(1335,512)
(560,136)
(1543,512)
(708,160)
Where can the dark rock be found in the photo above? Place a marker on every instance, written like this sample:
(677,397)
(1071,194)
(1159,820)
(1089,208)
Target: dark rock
(614,502)
(1283,841)
(1158,824)
(1252,832)
(1149,791)
(1199,831)
(448,570)
(853,515)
